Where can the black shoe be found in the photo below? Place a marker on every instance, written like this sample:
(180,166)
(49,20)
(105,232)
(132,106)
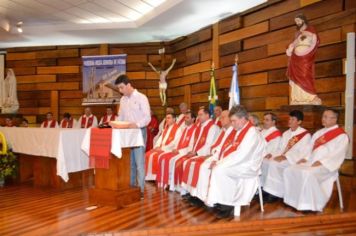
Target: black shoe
(194,201)
(270,198)
(142,196)
(225,212)
(186,197)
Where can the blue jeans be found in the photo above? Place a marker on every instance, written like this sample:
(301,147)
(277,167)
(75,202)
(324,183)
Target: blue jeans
(137,163)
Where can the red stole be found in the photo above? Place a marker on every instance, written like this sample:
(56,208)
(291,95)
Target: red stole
(328,136)
(273,135)
(84,120)
(199,143)
(171,134)
(301,68)
(236,143)
(100,147)
(181,121)
(105,118)
(67,124)
(199,161)
(294,140)
(51,125)
(218,122)
(186,136)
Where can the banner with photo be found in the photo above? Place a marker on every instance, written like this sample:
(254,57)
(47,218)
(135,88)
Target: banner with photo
(99,74)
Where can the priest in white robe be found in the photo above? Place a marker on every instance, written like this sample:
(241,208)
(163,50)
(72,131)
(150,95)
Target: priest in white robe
(294,147)
(232,180)
(165,143)
(165,163)
(162,124)
(204,137)
(308,184)
(192,167)
(87,120)
(273,138)
(50,122)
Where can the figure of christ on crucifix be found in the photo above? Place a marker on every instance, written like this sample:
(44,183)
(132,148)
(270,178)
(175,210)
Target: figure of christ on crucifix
(162,80)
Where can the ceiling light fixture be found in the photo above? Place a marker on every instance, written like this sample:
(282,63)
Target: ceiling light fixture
(19,27)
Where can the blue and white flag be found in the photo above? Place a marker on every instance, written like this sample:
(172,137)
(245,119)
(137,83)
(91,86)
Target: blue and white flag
(234,93)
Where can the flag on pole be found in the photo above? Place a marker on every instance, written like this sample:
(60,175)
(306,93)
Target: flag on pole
(234,93)
(213,97)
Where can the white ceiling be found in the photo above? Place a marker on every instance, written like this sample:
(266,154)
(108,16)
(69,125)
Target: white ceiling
(63,22)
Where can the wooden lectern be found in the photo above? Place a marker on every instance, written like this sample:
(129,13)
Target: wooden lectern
(112,186)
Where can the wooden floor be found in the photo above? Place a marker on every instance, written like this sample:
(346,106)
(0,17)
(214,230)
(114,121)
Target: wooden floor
(25,210)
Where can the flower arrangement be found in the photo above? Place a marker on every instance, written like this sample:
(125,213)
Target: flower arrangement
(8,166)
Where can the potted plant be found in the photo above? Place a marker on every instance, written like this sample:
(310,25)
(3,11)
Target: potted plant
(8,166)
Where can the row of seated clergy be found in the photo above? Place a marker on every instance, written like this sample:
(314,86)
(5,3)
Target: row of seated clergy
(180,120)
(199,143)
(227,178)
(87,120)
(302,169)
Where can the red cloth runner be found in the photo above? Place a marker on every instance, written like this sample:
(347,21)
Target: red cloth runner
(100,146)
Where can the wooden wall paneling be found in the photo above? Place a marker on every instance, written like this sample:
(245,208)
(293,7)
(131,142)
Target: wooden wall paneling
(31,63)
(189,79)
(188,95)
(333,84)
(215,46)
(229,24)
(274,103)
(244,33)
(74,52)
(57,69)
(48,86)
(269,90)
(271,11)
(54,104)
(279,75)
(347,29)
(89,51)
(25,70)
(70,61)
(328,68)
(193,39)
(335,20)
(25,79)
(313,11)
(76,77)
(199,67)
(270,37)
(274,62)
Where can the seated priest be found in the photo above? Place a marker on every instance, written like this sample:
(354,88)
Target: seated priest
(294,147)
(165,143)
(217,115)
(109,116)
(162,124)
(273,138)
(68,121)
(192,166)
(152,131)
(164,174)
(308,184)
(88,119)
(8,122)
(50,122)
(231,180)
(204,137)
(255,121)
(183,108)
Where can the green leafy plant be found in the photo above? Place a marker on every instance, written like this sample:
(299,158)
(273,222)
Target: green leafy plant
(8,165)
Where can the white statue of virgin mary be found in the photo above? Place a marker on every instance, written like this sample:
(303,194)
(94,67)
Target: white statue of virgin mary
(9,101)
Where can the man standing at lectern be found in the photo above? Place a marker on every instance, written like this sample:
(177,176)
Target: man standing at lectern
(134,108)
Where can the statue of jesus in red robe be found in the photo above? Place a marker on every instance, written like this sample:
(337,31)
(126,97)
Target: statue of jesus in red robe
(301,67)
